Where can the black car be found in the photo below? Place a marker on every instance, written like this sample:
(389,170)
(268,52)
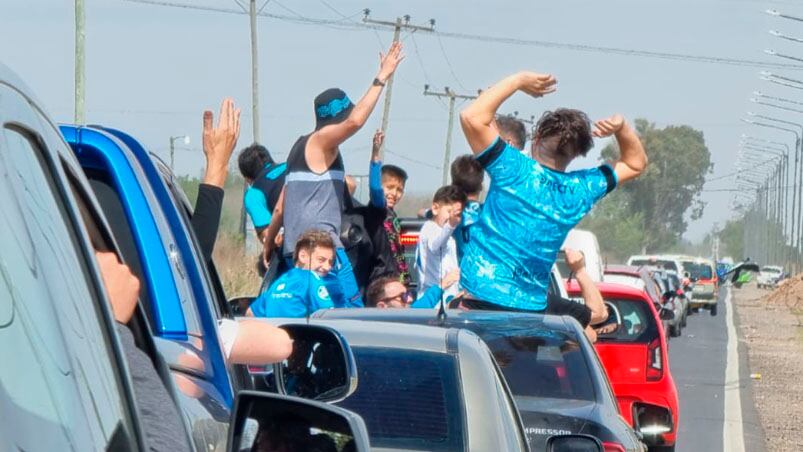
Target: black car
(557,381)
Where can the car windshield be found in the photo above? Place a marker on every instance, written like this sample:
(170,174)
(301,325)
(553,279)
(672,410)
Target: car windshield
(638,323)
(408,399)
(770,270)
(543,364)
(668,265)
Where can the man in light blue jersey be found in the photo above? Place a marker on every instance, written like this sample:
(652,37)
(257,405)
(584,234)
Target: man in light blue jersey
(532,203)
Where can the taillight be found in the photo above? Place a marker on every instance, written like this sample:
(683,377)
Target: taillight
(680,292)
(613,447)
(655,367)
(409,239)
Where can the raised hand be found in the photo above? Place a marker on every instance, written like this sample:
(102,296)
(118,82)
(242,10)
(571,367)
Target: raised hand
(536,84)
(390,61)
(219,142)
(575,260)
(609,126)
(379,138)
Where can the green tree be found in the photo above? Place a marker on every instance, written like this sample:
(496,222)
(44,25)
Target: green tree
(668,192)
(731,239)
(619,231)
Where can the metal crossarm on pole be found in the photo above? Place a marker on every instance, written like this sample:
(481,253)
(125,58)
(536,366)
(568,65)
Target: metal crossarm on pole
(452,96)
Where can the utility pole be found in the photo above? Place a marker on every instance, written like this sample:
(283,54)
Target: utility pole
(452,96)
(250,239)
(79,61)
(399,25)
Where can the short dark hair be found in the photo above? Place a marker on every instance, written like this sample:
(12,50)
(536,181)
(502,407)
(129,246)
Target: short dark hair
(311,239)
(449,194)
(512,127)
(395,171)
(252,159)
(571,127)
(376,290)
(467,174)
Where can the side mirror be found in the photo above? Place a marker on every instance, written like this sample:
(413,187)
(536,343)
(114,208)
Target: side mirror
(573,443)
(240,305)
(321,366)
(666,314)
(263,422)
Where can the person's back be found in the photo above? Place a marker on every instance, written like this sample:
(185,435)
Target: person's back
(540,206)
(533,202)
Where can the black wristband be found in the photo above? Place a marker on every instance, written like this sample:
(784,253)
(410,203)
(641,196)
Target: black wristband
(378,82)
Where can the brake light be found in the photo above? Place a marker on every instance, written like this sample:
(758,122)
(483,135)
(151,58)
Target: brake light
(680,292)
(655,367)
(409,239)
(613,447)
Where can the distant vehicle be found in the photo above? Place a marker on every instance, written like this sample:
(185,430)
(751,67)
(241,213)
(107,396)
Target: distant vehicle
(427,389)
(660,285)
(769,276)
(586,241)
(657,260)
(706,284)
(636,360)
(552,369)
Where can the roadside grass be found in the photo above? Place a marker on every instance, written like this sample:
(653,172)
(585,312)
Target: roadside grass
(237,270)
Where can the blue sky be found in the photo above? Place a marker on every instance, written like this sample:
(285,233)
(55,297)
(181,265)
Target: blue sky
(151,70)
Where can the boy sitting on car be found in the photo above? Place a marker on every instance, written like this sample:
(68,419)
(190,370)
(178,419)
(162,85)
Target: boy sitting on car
(533,202)
(302,290)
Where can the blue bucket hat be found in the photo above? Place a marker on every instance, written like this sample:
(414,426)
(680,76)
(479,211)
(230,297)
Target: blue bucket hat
(331,107)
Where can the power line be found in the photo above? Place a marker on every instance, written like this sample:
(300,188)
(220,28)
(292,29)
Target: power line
(449,64)
(340,23)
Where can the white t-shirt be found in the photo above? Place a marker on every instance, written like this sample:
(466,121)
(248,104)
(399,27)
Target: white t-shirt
(435,256)
(228,329)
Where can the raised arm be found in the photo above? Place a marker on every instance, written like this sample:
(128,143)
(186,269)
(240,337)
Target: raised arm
(591,294)
(326,140)
(477,119)
(375,192)
(632,157)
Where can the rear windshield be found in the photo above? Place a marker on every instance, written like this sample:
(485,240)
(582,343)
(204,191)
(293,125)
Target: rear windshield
(770,270)
(408,399)
(543,366)
(698,271)
(638,323)
(668,265)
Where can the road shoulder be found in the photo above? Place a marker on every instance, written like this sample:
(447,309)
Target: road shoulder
(771,363)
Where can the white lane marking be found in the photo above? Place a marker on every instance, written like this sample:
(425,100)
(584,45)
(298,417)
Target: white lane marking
(732,433)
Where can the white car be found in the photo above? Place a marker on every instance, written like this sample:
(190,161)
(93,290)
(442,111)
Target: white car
(769,276)
(585,241)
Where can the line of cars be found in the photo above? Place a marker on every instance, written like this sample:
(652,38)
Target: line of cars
(357,379)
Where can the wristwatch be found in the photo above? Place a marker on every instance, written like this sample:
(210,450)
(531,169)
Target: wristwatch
(378,82)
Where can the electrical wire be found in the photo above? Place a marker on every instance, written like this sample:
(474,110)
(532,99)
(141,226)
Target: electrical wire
(341,24)
(449,63)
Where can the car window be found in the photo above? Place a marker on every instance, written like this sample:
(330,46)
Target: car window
(544,365)
(61,372)
(408,399)
(638,323)
(507,405)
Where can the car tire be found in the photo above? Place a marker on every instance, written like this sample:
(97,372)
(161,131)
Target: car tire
(674,331)
(713,310)
(683,321)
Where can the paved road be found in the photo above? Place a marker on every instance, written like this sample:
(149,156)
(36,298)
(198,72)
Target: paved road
(698,361)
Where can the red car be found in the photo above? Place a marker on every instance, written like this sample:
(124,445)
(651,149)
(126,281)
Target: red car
(637,363)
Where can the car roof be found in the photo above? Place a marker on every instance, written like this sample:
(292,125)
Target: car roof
(630,270)
(379,334)
(613,289)
(455,318)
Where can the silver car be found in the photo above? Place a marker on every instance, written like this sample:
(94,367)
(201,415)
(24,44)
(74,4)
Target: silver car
(427,388)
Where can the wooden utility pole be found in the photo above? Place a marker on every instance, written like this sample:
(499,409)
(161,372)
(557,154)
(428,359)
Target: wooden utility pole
(250,239)
(398,26)
(452,96)
(79,62)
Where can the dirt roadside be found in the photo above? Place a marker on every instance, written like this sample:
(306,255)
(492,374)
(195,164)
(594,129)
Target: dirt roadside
(770,324)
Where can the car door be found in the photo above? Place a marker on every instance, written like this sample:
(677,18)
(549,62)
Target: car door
(188,344)
(63,383)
